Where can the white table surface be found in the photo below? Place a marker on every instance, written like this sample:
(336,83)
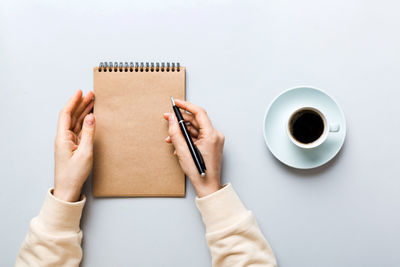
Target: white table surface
(239,55)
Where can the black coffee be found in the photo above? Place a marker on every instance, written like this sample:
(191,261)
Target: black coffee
(306,126)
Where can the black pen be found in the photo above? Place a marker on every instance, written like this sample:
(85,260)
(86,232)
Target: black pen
(196,155)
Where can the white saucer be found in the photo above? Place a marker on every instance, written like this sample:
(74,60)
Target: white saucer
(276,118)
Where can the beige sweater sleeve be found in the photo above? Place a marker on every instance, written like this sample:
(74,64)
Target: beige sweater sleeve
(54,237)
(232,233)
(234,239)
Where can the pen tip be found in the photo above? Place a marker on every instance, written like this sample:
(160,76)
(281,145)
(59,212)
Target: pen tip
(203,174)
(172,101)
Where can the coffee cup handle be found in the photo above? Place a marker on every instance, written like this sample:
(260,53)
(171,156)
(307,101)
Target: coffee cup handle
(334,128)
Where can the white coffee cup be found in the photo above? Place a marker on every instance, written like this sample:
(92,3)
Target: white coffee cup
(326,127)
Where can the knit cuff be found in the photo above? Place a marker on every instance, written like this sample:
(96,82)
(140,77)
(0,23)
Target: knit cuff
(61,216)
(221,209)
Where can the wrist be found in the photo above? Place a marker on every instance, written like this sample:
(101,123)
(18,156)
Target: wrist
(203,191)
(68,195)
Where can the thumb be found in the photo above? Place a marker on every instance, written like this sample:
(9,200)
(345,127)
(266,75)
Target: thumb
(87,138)
(176,136)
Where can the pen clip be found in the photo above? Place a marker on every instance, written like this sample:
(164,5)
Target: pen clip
(203,165)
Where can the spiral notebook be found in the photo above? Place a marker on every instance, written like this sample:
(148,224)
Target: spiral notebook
(131,157)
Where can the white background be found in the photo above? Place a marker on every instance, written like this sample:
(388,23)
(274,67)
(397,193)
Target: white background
(239,55)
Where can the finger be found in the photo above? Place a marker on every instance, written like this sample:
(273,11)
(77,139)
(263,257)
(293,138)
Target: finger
(166,115)
(168,140)
(175,134)
(79,137)
(64,119)
(85,148)
(73,102)
(86,100)
(199,113)
(187,117)
(193,130)
(190,118)
(78,124)
(194,133)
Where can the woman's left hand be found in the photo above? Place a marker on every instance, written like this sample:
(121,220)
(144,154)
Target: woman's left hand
(73,149)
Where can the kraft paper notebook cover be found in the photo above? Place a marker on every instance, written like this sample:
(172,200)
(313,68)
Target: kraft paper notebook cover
(131,157)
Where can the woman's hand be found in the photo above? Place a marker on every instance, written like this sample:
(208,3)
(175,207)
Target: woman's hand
(73,150)
(208,140)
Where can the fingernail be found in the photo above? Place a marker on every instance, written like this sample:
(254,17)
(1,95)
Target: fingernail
(93,98)
(166,114)
(89,119)
(167,139)
(171,119)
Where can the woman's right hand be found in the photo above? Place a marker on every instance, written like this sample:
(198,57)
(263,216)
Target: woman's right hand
(208,140)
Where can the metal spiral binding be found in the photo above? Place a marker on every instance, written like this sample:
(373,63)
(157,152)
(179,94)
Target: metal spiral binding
(138,67)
